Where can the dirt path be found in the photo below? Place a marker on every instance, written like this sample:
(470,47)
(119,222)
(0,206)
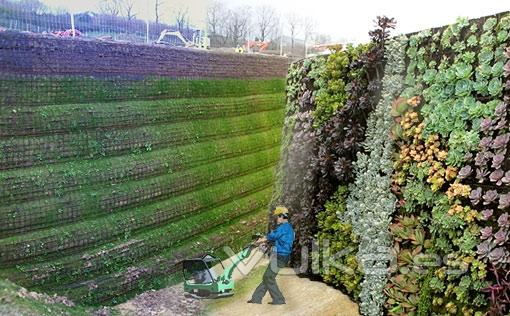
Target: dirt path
(304,297)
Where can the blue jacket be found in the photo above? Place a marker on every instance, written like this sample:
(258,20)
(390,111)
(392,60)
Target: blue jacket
(283,236)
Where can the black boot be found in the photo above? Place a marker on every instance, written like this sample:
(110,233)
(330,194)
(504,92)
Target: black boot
(251,301)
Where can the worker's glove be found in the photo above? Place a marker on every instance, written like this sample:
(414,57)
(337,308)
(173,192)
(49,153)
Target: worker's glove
(264,247)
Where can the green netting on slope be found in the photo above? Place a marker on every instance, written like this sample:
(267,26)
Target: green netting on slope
(25,120)
(16,91)
(127,251)
(25,151)
(97,201)
(21,185)
(59,240)
(102,176)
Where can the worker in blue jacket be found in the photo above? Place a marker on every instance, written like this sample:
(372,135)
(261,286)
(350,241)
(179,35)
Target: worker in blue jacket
(283,237)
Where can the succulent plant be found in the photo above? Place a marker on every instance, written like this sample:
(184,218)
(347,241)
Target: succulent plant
(506,178)
(502,123)
(481,174)
(497,176)
(503,220)
(501,237)
(487,214)
(374,168)
(498,255)
(486,125)
(486,142)
(490,196)
(486,232)
(504,201)
(497,160)
(475,196)
(484,248)
(500,142)
(480,159)
(464,172)
(501,110)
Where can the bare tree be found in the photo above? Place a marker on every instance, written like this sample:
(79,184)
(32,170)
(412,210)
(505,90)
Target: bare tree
(309,25)
(238,24)
(216,14)
(182,19)
(129,9)
(157,5)
(32,6)
(110,7)
(266,21)
(294,23)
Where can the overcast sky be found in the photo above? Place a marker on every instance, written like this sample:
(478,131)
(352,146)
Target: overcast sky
(348,19)
(352,19)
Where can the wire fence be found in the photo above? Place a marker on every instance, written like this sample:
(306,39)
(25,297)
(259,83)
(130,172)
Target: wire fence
(23,17)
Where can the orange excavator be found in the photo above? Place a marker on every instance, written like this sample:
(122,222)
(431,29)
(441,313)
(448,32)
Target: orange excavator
(260,45)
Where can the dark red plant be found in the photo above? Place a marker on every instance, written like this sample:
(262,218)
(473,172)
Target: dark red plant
(499,292)
(341,137)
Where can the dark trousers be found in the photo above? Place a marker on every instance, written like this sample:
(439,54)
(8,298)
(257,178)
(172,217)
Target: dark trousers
(269,280)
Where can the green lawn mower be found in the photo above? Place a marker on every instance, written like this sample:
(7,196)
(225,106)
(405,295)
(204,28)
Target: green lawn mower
(200,281)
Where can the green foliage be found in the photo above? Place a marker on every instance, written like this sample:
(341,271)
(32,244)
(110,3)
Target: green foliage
(450,91)
(425,302)
(410,244)
(90,203)
(46,243)
(336,74)
(108,258)
(416,195)
(294,89)
(342,270)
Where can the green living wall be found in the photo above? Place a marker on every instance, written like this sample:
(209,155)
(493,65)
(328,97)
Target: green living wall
(408,183)
(108,182)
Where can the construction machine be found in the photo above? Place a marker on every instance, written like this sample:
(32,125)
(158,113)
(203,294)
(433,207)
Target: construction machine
(200,280)
(175,38)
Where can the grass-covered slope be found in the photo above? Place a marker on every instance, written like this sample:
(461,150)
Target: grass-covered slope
(107,184)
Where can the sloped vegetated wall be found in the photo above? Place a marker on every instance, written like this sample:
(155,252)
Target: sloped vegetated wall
(117,161)
(423,207)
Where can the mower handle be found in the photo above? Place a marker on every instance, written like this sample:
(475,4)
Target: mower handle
(243,254)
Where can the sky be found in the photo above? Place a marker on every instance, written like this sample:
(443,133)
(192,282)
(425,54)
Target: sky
(352,19)
(197,9)
(348,20)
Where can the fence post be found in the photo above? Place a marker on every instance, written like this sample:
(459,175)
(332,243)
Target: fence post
(147,32)
(72,24)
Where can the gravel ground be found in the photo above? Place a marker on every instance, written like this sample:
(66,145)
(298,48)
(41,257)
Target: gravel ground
(167,301)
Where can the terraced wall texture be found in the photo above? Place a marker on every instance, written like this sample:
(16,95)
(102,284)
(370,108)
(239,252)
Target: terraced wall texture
(119,160)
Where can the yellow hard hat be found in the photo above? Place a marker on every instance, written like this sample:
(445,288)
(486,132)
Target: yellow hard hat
(280,210)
